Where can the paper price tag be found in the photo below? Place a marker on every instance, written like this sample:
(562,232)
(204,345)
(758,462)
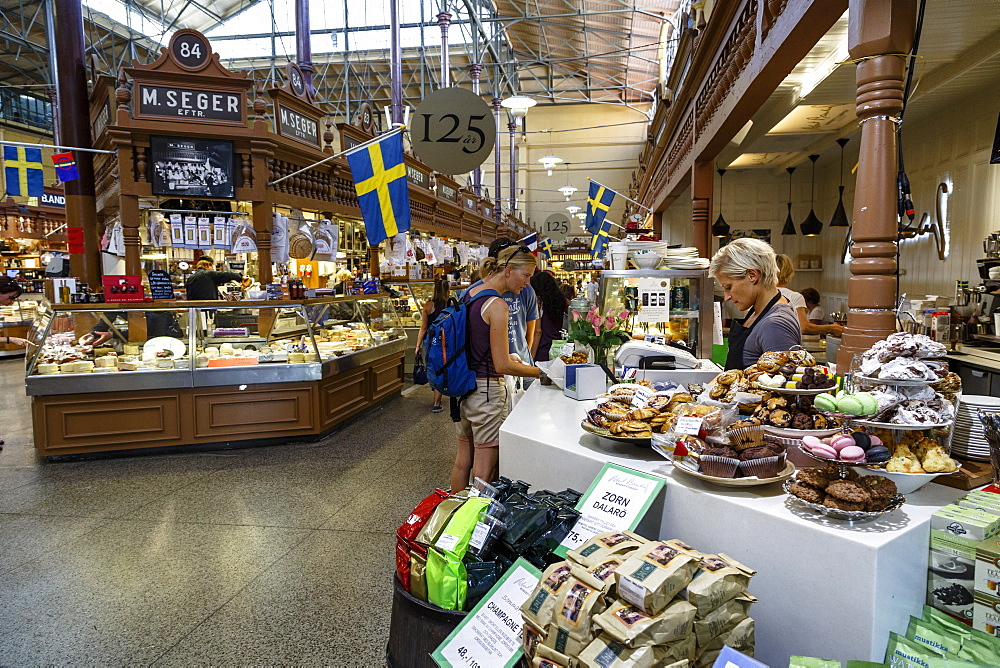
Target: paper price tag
(479,535)
(617,500)
(446,542)
(688,425)
(641,396)
(490,635)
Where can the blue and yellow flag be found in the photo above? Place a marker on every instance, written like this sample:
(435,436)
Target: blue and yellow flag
(599,200)
(22,168)
(380,180)
(600,240)
(546,248)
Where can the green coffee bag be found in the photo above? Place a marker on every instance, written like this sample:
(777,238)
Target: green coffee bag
(447,580)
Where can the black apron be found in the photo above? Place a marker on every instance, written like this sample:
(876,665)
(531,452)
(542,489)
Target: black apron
(738,336)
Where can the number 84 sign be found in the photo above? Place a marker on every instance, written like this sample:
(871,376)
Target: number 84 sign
(452,130)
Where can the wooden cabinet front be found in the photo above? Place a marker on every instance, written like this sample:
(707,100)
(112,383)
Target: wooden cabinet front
(253,412)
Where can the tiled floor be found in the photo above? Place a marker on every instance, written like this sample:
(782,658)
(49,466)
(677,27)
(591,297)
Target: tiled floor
(276,555)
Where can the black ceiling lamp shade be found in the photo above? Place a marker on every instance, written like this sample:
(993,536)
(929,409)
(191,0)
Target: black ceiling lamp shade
(812,225)
(720,230)
(840,213)
(789,228)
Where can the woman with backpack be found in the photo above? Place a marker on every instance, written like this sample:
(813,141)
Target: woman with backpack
(485,408)
(429,312)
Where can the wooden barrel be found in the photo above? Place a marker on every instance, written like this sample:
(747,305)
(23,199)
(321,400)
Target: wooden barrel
(416,629)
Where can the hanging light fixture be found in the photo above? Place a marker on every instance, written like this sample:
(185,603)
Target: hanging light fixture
(549,162)
(518,105)
(812,225)
(840,213)
(568,191)
(572,209)
(720,229)
(789,228)
(581,216)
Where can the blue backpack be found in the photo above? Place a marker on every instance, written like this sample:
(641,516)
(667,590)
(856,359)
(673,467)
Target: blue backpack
(446,346)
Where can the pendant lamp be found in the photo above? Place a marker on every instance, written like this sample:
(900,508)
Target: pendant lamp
(812,226)
(720,230)
(789,228)
(840,213)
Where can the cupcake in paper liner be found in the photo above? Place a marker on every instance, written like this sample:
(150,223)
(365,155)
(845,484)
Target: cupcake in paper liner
(743,438)
(764,461)
(721,462)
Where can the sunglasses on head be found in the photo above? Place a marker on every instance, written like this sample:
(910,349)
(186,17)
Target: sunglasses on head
(520,249)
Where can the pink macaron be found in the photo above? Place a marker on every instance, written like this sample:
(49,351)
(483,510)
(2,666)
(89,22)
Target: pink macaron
(824,451)
(852,453)
(875,441)
(811,441)
(842,441)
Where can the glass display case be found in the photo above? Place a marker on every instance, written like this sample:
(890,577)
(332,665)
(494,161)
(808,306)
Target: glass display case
(674,303)
(107,347)
(412,296)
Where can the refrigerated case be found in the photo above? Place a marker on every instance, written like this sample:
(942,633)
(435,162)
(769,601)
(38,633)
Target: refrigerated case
(682,304)
(178,373)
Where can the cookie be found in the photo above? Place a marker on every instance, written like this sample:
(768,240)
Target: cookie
(806,492)
(840,504)
(779,418)
(814,476)
(802,421)
(848,490)
(878,487)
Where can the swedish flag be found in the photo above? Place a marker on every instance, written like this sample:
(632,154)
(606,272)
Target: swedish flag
(22,168)
(380,180)
(547,248)
(600,240)
(599,200)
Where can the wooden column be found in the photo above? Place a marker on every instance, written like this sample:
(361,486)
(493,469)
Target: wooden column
(130,232)
(262,217)
(702,181)
(877,28)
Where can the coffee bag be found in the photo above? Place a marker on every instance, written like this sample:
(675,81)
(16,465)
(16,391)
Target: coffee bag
(653,575)
(740,637)
(600,576)
(631,627)
(438,520)
(605,652)
(719,578)
(538,607)
(723,618)
(575,609)
(604,545)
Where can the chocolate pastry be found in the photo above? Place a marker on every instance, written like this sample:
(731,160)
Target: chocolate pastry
(786,370)
(848,490)
(807,493)
(780,418)
(721,452)
(802,421)
(833,502)
(759,452)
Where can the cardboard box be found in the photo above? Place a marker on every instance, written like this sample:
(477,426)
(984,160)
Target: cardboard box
(585,381)
(968,524)
(986,614)
(951,572)
(988,567)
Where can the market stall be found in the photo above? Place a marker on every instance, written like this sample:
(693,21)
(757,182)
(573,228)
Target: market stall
(184,373)
(826,588)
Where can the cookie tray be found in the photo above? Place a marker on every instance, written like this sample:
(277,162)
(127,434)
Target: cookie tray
(849,515)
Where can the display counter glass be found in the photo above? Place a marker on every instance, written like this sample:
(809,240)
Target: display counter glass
(108,347)
(672,303)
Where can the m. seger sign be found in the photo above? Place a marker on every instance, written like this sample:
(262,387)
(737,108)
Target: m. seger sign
(294,124)
(171,102)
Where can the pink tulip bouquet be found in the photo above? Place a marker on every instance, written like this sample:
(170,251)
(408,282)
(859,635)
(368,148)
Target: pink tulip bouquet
(601,331)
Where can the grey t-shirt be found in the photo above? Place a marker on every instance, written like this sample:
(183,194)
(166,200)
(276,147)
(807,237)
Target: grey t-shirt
(777,330)
(522,308)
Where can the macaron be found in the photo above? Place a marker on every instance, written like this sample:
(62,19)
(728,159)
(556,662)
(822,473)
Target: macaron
(877,454)
(862,440)
(842,441)
(811,441)
(875,440)
(825,402)
(850,405)
(869,405)
(852,453)
(824,451)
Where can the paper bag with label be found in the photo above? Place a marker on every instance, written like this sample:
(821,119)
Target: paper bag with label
(630,626)
(604,545)
(653,575)
(741,638)
(723,618)
(538,607)
(600,576)
(576,607)
(244,238)
(718,579)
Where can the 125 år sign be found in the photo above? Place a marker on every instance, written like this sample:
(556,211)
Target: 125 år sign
(452,130)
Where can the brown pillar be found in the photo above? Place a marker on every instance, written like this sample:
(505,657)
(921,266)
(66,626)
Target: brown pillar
(702,182)
(130,231)
(656,220)
(74,130)
(877,28)
(262,217)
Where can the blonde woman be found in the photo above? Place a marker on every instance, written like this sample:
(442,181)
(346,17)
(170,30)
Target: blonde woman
(786,272)
(483,411)
(748,273)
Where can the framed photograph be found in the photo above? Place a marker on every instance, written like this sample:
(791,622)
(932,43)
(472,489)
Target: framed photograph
(192,168)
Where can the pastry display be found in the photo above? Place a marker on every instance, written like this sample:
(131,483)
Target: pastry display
(579,357)
(822,486)
(615,413)
(787,412)
(858,403)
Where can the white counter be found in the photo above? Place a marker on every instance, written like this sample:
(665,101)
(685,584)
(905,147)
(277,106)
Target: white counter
(826,588)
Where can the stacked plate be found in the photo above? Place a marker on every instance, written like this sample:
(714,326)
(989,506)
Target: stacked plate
(969,441)
(684,258)
(659,247)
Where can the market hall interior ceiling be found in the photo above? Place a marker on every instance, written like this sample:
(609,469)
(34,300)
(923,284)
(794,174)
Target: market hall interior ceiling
(603,52)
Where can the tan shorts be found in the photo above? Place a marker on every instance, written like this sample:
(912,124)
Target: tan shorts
(483,412)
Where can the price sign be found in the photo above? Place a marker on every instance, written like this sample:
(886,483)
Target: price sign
(452,130)
(617,500)
(641,396)
(490,635)
(160,285)
(688,425)
(190,49)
